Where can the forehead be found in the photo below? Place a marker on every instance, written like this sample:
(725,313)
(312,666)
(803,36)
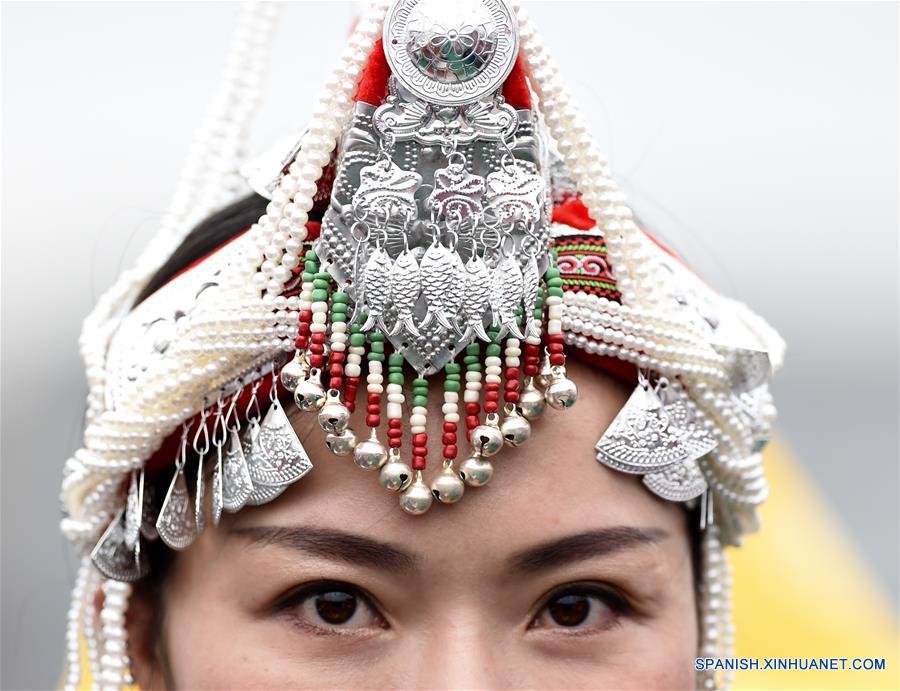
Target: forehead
(549,487)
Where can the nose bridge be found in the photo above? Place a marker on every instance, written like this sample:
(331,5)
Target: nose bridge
(462,649)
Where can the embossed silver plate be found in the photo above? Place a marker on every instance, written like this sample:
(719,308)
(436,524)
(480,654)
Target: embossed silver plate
(451,52)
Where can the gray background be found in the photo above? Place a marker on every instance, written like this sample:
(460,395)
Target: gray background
(759,139)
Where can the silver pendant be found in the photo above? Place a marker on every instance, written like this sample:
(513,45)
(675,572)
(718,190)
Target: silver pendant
(678,482)
(176,524)
(200,497)
(114,558)
(386,189)
(148,514)
(477,298)
(530,281)
(650,434)
(457,192)
(263,494)
(405,286)
(377,281)
(437,277)
(237,485)
(506,295)
(515,194)
(217,500)
(276,455)
(451,56)
(134,509)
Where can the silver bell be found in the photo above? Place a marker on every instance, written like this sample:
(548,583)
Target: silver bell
(532,402)
(309,394)
(294,372)
(476,471)
(395,475)
(562,392)
(417,498)
(341,444)
(370,454)
(487,439)
(542,381)
(515,428)
(334,415)
(448,487)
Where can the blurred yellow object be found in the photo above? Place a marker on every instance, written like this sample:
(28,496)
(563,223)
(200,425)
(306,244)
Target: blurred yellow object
(802,590)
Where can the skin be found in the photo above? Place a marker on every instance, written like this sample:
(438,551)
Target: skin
(459,596)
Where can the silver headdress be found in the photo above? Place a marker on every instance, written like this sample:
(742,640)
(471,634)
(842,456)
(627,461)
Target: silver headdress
(440,239)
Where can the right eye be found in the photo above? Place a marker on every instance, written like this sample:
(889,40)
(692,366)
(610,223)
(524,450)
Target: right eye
(332,607)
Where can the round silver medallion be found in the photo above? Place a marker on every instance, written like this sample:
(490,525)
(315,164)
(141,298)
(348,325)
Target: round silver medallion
(451,52)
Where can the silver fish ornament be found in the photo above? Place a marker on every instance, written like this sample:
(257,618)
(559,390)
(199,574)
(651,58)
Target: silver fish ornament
(453,300)
(436,275)
(404,292)
(506,295)
(477,296)
(377,282)
(530,279)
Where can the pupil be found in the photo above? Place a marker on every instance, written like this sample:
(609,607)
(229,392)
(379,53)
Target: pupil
(336,607)
(570,610)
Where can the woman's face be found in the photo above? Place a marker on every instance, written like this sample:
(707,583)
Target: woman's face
(560,573)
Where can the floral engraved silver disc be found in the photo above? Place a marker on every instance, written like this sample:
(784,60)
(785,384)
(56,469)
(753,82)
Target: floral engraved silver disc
(451,52)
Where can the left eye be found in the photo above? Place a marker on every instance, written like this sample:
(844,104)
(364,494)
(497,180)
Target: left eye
(333,607)
(579,609)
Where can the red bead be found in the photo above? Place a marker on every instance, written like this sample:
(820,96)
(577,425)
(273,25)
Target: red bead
(450,427)
(303,329)
(512,397)
(395,423)
(305,315)
(373,408)
(316,361)
(420,438)
(420,450)
(512,373)
(491,407)
(301,342)
(316,348)
(531,370)
(557,359)
(335,369)
(555,338)
(373,420)
(418,463)
(374,398)
(335,382)
(448,438)
(472,408)
(555,348)
(450,451)
(395,433)
(337,356)
(471,422)
(318,337)
(394,443)
(490,397)
(512,385)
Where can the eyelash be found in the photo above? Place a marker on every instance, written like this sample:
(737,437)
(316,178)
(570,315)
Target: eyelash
(613,600)
(292,603)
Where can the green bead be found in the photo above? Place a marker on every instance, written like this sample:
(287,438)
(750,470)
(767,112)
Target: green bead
(378,347)
(493,349)
(395,360)
(451,385)
(473,349)
(554,283)
(550,274)
(474,367)
(452,377)
(394,378)
(471,359)
(324,275)
(357,339)
(341,297)
(558,292)
(320,284)
(420,381)
(338,306)
(420,401)
(311,256)
(319,295)
(376,337)
(376,357)
(307,276)
(452,368)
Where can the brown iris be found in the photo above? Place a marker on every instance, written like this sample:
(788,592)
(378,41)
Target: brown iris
(569,610)
(335,606)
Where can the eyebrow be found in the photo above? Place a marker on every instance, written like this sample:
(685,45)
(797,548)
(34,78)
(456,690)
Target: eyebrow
(587,545)
(335,545)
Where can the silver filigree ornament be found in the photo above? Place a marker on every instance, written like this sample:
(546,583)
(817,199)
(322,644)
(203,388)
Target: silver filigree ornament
(420,122)
(678,482)
(386,189)
(451,53)
(655,429)
(515,194)
(176,524)
(276,455)
(114,558)
(237,485)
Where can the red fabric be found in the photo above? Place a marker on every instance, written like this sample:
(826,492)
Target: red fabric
(373,86)
(515,88)
(573,213)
